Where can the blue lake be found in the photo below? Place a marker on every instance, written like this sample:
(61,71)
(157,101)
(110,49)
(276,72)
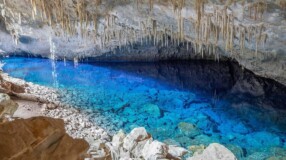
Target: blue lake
(183,103)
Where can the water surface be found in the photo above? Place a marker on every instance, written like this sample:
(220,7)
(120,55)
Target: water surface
(183,103)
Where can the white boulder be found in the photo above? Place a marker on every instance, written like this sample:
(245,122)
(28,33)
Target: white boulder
(117,139)
(214,151)
(176,152)
(154,150)
(136,135)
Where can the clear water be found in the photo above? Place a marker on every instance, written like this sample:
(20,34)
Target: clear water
(183,103)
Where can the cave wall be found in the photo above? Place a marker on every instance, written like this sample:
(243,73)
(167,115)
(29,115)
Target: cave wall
(148,30)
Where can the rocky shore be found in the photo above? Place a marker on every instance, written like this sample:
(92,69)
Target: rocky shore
(34,100)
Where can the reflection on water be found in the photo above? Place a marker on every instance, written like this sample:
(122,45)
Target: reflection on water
(184,103)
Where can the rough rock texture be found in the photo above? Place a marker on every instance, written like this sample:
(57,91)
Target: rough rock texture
(149,30)
(77,124)
(7,106)
(138,144)
(10,88)
(39,138)
(214,151)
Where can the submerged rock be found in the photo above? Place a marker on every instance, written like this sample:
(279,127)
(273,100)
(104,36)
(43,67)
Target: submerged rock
(188,129)
(214,151)
(264,138)
(197,148)
(151,109)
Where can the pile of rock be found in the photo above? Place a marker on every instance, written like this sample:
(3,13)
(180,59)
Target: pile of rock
(77,124)
(214,151)
(139,144)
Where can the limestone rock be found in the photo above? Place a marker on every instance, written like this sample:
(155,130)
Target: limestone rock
(139,144)
(197,148)
(11,87)
(136,135)
(7,106)
(151,109)
(31,34)
(214,151)
(100,152)
(39,138)
(188,129)
(117,139)
(176,152)
(154,150)
(51,106)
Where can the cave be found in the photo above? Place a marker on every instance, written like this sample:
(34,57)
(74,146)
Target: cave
(143,79)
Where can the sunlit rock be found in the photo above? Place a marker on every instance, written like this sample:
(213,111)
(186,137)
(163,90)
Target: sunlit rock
(7,106)
(135,136)
(214,151)
(117,139)
(154,150)
(176,152)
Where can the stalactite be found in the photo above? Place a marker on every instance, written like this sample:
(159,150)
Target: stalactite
(264,38)
(20,19)
(242,37)
(256,9)
(154,30)
(182,33)
(151,4)
(209,28)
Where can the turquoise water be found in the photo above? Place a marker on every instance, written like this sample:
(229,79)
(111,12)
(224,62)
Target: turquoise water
(183,103)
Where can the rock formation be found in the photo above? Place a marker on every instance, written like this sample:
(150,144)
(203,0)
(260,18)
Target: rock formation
(7,106)
(45,138)
(214,151)
(138,144)
(252,32)
(39,138)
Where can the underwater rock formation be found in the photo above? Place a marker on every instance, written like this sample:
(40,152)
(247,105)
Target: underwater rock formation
(225,79)
(39,138)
